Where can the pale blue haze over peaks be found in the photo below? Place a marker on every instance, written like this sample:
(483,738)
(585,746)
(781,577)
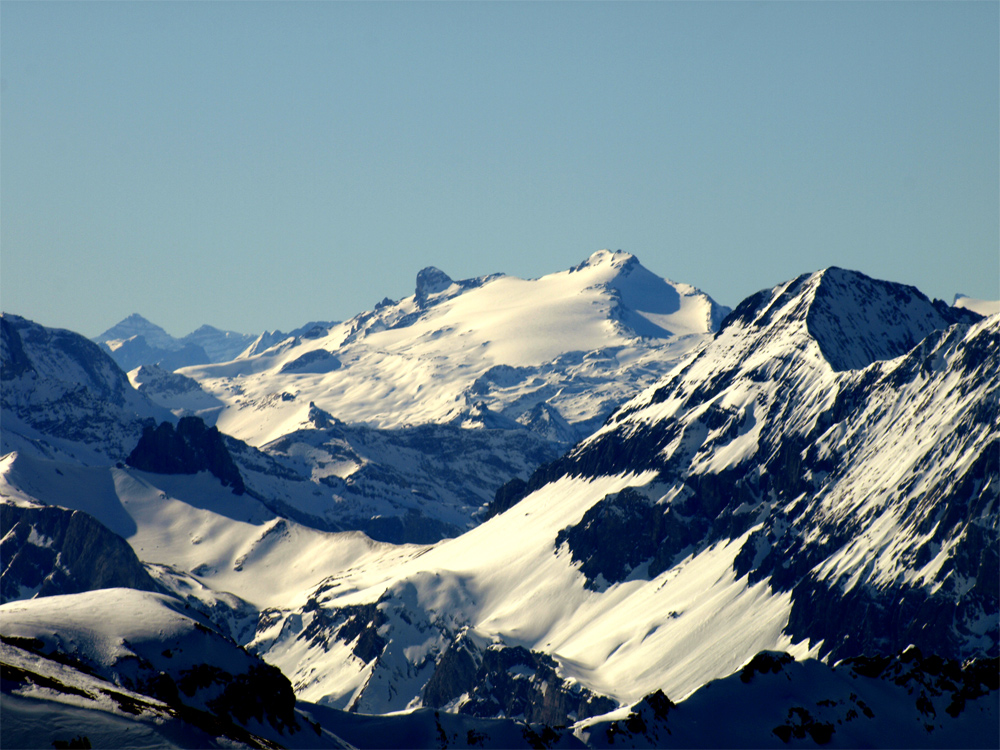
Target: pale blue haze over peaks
(260,165)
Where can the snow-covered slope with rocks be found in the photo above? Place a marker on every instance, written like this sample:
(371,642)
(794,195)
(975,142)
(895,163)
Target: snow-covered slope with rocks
(580,342)
(153,657)
(819,478)
(61,394)
(874,489)
(63,398)
(761,496)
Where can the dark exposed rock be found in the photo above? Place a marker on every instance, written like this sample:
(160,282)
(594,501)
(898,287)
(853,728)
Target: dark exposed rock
(621,532)
(517,683)
(509,681)
(15,362)
(262,693)
(188,449)
(765,662)
(50,551)
(455,673)
(353,623)
(430,281)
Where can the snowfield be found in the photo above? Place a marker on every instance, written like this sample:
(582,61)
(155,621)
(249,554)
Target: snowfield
(580,340)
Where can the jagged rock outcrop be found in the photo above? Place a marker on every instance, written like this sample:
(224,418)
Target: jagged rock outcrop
(508,681)
(430,281)
(187,449)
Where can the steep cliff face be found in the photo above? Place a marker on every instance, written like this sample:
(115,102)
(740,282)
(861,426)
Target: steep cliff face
(188,449)
(48,551)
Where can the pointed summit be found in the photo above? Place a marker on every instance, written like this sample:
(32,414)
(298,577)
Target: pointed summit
(618,259)
(854,319)
(136,325)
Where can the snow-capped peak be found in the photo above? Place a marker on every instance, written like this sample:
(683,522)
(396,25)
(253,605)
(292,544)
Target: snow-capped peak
(611,258)
(136,325)
(854,319)
(581,339)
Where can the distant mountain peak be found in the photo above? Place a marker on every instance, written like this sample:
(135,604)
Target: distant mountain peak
(136,325)
(432,280)
(614,258)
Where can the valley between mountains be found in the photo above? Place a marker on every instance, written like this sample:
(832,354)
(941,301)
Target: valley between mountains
(594,509)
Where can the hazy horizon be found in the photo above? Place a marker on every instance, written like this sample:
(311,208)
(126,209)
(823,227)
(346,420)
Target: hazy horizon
(258,166)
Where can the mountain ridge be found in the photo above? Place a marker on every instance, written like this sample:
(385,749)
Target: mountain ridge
(816,479)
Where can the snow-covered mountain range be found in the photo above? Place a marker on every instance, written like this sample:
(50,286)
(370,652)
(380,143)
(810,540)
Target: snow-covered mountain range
(135,341)
(404,420)
(556,354)
(793,517)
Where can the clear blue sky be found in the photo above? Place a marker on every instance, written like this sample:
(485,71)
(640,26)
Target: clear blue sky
(259,165)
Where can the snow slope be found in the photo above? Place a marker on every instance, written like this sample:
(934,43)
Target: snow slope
(153,657)
(192,523)
(581,341)
(760,496)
